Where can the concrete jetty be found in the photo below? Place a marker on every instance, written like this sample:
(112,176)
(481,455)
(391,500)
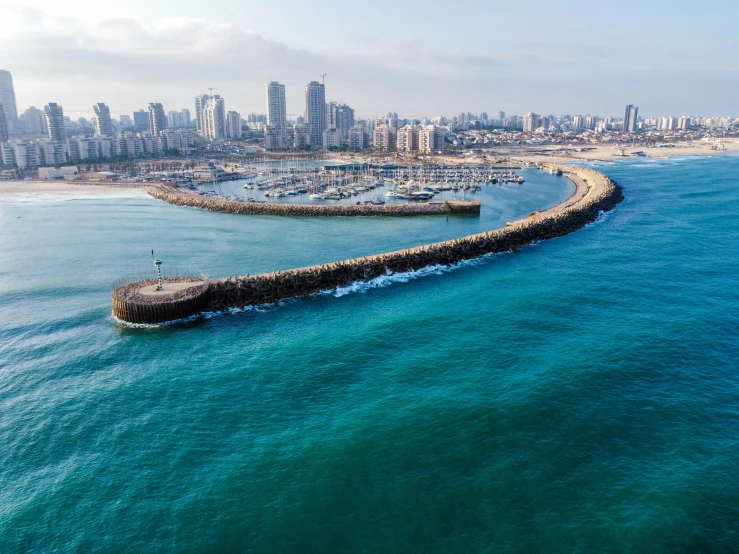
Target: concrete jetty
(594,193)
(179,197)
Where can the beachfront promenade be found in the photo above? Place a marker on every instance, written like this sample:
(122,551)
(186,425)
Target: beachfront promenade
(593,194)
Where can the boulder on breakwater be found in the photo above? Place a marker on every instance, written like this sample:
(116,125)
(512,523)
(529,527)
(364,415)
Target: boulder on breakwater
(595,193)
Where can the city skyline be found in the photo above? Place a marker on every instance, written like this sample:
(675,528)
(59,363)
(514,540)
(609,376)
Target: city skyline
(134,54)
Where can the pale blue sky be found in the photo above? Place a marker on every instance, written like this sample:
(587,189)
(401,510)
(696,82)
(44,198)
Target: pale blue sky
(416,58)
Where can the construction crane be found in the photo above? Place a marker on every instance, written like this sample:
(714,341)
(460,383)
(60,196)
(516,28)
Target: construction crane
(211,89)
(323,78)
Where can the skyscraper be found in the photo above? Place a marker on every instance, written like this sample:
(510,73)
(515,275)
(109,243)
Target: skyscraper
(35,122)
(7,99)
(55,124)
(214,118)
(277,111)
(315,110)
(200,101)
(4,135)
(157,118)
(141,120)
(103,123)
(630,116)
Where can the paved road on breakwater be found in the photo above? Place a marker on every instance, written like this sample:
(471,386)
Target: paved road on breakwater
(594,193)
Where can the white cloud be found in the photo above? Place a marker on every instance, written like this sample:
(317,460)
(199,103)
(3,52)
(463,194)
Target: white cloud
(128,63)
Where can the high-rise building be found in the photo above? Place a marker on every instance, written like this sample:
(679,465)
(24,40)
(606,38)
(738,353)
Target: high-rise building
(157,118)
(141,120)
(501,116)
(315,110)
(4,135)
(186,118)
(55,124)
(342,116)
(200,101)
(530,122)
(277,112)
(233,125)
(174,120)
(103,123)
(630,116)
(7,99)
(578,122)
(214,118)
(35,122)
(684,123)
(590,121)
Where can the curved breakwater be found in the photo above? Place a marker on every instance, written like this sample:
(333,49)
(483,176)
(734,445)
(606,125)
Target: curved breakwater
(594,193)
(180,198)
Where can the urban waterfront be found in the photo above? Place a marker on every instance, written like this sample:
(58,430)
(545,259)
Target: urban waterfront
(577,396)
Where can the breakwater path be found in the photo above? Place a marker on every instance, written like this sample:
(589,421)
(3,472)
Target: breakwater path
(179,197)
(136,303)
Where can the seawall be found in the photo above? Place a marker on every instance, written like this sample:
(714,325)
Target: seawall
(594,193)
(180,198)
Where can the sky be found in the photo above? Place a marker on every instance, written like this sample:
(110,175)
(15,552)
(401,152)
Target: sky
(428,58)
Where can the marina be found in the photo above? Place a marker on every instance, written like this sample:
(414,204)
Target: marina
(135,303)
(316,182)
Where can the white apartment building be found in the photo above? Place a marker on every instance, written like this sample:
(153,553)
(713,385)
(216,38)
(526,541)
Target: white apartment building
(331,138)
(385,138)
(277,111)
(358,138)
(233,125)
(272,138)
(301,136)
(53,152)
(408,139)
(214,118)
(35,122)
(431,139)
(531,122)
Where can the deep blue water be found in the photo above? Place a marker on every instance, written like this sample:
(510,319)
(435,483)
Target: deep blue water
(579,396)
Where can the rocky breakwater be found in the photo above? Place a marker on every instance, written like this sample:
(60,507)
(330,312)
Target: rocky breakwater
(594,193)
(180,198)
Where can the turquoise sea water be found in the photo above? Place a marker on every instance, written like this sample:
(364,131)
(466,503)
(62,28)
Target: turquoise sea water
(579,396)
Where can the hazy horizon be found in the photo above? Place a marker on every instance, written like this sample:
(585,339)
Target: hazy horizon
(418,59)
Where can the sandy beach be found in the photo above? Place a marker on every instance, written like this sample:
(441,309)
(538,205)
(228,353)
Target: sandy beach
(67,187)
(610,152)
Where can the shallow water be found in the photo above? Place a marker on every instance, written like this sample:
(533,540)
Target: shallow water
(579,396)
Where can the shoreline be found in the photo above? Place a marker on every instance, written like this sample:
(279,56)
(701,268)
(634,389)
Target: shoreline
(600,153)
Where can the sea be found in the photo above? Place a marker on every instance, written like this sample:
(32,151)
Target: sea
(581,395)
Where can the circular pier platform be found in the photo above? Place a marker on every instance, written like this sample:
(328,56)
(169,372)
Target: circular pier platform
(141,302)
